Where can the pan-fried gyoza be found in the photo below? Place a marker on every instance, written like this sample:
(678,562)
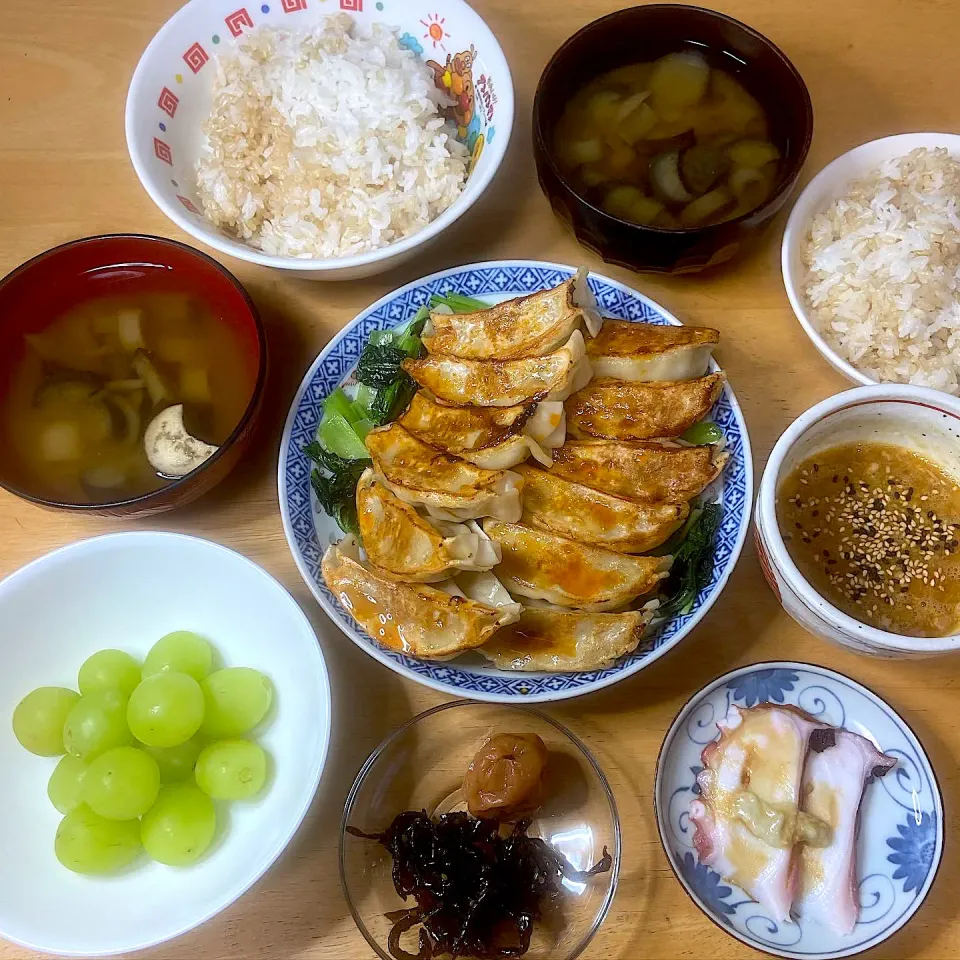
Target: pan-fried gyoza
(504,383)
(496,438)
(650,351)
(564,640)
(543,566)
(448,487)
(527,469)
(532,326)
(627,410)
(582,513)
(402,545)
(648,470)
(416,619)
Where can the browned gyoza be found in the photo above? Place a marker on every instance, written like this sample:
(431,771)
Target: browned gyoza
(413,618)
(544,566)
(647,471)
(591,516)
(504,383)
(627,410)
(651,351)
(450,488)
(401,545)
(496,438)
(561,640)
(530,326)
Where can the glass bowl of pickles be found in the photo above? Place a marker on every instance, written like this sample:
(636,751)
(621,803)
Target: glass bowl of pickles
(667,136)
(480,830)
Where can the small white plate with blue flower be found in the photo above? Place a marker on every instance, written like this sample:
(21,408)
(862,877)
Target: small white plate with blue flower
(900,841)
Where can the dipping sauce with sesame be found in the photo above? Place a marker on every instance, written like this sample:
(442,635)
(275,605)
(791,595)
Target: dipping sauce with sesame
(874,529)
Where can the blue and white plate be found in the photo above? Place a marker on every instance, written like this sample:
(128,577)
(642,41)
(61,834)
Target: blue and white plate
(310,531)
(901,820)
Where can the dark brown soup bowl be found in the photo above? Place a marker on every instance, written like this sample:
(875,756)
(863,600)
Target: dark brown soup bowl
(43,288)
(640,34)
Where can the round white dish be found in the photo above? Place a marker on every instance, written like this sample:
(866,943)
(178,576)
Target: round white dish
(170,97)
(309,530)
(915,417)
(127,590)
(901,830)
(830,183)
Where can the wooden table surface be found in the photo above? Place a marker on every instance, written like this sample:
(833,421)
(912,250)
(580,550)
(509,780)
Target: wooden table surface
(874,67)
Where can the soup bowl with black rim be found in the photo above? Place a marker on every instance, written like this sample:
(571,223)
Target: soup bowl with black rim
(643,34)
(63,278)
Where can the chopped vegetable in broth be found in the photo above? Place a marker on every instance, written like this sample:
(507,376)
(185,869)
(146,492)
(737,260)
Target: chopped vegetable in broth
(119,396)
(873,527)
(676,143)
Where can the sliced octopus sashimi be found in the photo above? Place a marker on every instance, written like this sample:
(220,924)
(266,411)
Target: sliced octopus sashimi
(747,818)
(834,782)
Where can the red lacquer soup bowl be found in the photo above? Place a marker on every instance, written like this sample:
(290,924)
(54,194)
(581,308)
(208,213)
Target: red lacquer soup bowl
(125,267)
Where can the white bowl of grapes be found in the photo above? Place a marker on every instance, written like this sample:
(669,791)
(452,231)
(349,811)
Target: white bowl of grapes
(167,720)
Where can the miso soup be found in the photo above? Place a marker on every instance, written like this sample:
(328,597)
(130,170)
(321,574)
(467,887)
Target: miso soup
(674,143)
(87,387)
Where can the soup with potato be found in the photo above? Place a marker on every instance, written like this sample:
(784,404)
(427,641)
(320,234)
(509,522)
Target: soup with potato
(675,143)
(122,395)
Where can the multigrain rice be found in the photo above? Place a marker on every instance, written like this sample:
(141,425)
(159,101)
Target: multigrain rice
(883,261)
(326,142)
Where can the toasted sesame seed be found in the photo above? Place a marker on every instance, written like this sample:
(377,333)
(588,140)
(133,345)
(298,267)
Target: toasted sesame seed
(886,542)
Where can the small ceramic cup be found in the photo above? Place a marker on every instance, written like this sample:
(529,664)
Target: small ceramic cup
(920,419)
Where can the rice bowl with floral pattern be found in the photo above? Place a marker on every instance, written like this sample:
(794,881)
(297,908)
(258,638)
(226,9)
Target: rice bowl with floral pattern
(171,96)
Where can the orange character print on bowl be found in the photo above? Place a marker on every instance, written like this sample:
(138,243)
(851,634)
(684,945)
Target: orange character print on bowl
(455,78)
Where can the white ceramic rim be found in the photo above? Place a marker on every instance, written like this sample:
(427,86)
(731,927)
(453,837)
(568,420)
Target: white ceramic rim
(870,695)
(237,892)
(767,512)
(373,649)
(799,219)
(242,251)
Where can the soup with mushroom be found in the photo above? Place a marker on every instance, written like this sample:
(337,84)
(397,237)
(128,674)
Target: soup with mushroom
(676,143)
(874,529)
(121,395)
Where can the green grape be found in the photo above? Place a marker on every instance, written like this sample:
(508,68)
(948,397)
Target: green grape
(232,770)
(166,709)
(39,718)
(65,784)
(237,700)
(179,652)
(109,670)
(87,843)
(176,763)
(180,826)
(97,724)
(121,784)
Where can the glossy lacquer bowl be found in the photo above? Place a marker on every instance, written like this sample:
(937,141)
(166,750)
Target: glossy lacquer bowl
(422,764)
(640,34)
(42,289)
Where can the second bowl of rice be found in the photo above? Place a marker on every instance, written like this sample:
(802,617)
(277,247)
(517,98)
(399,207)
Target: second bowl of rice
(871,261)
(329,144)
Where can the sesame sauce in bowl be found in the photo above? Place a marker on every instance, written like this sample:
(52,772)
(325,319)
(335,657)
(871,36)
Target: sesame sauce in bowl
(874,528)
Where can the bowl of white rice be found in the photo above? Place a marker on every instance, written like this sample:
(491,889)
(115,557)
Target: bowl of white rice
(329,143)
(871,261)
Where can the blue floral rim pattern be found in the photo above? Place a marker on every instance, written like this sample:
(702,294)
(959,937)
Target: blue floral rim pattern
(306,529)
(901,831)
